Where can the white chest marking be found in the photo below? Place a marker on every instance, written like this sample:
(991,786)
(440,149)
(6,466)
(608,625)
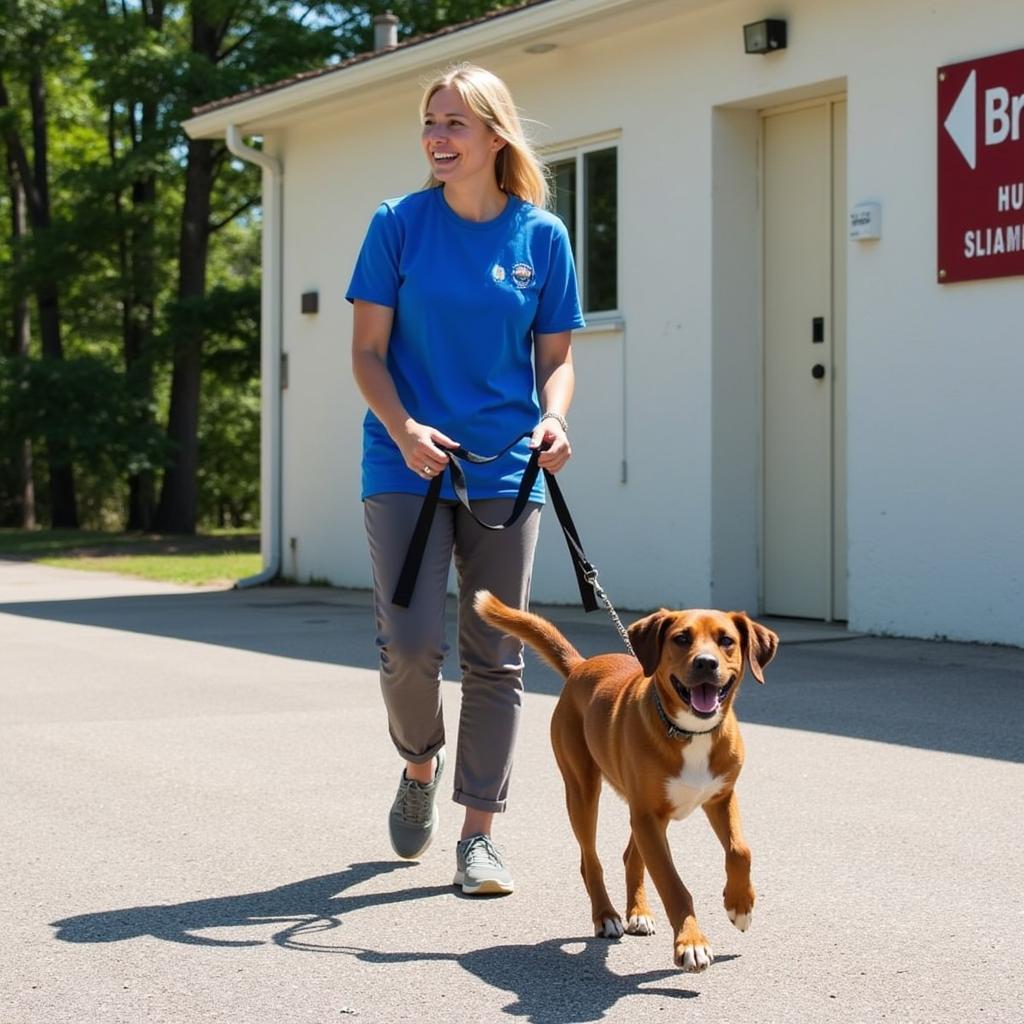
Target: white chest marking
(695,784)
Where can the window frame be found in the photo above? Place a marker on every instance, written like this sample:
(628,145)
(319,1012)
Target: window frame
(576,153)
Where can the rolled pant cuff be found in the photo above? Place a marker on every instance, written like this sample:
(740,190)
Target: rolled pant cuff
(496,806)
(423,758)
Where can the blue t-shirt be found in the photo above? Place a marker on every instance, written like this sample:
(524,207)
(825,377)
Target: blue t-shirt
(468,298)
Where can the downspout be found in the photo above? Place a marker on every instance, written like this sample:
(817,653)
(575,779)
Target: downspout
(271,348)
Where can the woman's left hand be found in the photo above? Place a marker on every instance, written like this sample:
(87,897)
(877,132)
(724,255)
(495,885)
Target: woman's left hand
(549,435)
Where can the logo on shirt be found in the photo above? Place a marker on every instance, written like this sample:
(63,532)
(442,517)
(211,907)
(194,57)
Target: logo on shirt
(498,272)
(522,275)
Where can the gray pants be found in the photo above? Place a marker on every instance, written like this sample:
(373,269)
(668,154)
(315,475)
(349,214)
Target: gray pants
(411,641)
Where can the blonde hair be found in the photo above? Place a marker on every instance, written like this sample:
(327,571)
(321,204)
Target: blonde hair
(517,167)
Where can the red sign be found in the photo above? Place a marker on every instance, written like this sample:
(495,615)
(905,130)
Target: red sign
(981,168)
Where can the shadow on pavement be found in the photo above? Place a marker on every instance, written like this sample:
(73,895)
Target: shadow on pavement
(960,698)
(957,698)
(312,905)
(309,623)
(554,982)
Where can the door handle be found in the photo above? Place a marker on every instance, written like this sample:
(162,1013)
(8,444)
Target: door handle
(817,371)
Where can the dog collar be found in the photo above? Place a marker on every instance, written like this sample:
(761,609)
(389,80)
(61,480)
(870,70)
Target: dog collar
(674,732)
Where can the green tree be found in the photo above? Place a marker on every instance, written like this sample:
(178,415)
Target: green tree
(32,45)
(235,46)
(415,18)
(132,75)
(19,480)
(140,247)
(230,46)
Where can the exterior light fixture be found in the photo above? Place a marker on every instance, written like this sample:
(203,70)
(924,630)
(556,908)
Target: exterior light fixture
(764,36)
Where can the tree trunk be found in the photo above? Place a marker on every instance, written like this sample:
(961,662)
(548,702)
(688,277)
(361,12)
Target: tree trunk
(63,506)
(22,337)
(179,491)
(139,271)
(178,495)
(35,180)
(139,316)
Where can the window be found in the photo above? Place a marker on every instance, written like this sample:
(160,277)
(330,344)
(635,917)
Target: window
(585,195)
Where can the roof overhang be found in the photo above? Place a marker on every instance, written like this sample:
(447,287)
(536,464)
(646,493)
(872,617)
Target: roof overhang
(560,21)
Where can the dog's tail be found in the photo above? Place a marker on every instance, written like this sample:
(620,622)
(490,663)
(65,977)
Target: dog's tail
(532,629)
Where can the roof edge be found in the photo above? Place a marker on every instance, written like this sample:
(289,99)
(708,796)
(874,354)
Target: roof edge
(248,113)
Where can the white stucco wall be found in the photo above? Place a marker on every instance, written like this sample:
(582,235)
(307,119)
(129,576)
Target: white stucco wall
(936,491)
(935,488)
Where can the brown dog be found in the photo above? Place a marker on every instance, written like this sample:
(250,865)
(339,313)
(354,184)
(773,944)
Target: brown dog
(664,734)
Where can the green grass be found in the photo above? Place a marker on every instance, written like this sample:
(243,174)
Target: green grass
(197,570)
(219,557)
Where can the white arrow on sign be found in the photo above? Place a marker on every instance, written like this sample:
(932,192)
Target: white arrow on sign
(960,122)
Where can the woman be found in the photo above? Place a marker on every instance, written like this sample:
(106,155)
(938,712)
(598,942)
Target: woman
(465,299)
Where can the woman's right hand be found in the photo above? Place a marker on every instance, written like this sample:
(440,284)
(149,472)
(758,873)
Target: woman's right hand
(419,445)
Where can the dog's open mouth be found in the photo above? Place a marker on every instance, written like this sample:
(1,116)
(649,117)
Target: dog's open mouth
(705,699)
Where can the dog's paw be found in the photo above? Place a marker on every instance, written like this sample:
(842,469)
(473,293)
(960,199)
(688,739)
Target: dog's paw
(609,928)
(738,901)
(640,924)
(742,921)
(694,958)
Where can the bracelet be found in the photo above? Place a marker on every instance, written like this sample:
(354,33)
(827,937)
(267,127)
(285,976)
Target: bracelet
(560,420)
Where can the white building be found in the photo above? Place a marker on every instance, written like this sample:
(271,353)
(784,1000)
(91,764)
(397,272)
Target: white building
(713,202)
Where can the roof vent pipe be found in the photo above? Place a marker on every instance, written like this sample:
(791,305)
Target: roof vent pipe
(385,31)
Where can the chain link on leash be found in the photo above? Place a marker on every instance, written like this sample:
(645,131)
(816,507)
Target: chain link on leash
(591,578)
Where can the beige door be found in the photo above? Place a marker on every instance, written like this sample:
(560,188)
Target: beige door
(805,357)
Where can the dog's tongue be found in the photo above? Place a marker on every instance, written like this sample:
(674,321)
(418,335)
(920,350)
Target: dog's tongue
(704,698)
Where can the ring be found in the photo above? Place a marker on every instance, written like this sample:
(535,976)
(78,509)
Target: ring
(426,469)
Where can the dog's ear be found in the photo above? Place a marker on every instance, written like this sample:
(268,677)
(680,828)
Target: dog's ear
(759,643)
(646,636)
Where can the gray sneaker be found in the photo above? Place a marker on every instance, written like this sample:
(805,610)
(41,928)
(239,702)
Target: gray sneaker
(413,818)
(479,868)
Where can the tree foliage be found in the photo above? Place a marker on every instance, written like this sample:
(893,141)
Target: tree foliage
(107,316)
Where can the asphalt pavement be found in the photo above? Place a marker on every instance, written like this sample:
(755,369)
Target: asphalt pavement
(194,787)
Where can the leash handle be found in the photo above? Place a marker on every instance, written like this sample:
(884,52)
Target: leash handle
(458,477)
(586,574)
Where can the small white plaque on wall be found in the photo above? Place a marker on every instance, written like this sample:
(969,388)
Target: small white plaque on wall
(866,222)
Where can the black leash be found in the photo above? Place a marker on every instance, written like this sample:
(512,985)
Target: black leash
(586,574)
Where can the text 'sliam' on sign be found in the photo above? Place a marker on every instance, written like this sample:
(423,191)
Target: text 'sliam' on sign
(981,168)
